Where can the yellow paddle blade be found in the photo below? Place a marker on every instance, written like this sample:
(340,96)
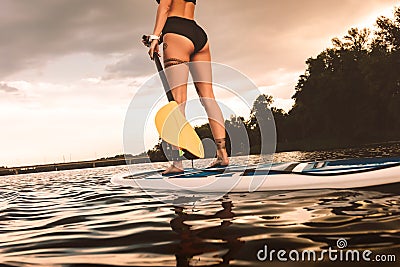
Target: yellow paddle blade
(176,130)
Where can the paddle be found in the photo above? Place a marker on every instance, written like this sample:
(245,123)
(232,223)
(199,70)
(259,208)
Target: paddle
(170,122)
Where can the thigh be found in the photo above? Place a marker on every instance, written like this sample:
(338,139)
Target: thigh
(177,50)
(201,71)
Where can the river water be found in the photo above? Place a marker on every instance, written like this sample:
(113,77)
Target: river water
(78,218)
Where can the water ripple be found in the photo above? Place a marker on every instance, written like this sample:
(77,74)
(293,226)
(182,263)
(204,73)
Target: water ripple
(77,218)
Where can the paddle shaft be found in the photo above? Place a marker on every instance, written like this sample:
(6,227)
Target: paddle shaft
(163,77)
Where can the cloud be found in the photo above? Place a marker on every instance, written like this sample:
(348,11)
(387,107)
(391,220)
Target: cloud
(254,36)
(8,89)
(130,65)
(259,36)
(34,32)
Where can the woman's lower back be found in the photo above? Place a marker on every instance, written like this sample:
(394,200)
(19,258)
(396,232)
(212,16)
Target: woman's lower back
(181,8)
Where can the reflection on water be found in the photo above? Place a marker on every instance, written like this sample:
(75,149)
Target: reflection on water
(77,218)
(201,243)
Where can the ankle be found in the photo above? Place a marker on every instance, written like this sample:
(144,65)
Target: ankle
(177,165)
(222,153)
(222,158)
(220,143)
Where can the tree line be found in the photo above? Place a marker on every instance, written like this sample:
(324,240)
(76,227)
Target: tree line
(349,95)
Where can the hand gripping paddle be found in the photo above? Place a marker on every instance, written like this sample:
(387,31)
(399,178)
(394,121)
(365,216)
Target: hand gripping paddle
(170,122)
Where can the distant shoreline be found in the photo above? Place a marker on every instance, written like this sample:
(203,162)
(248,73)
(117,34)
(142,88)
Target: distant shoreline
(105,162)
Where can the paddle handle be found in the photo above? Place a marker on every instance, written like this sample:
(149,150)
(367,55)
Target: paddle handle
(163,77)
(146,41)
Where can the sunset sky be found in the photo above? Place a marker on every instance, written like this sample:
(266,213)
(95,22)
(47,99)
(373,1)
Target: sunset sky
(70,68)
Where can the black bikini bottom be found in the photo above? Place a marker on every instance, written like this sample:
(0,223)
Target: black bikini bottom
(187,28)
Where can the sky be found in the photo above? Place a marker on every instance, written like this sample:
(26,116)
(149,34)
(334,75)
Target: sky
(69,69)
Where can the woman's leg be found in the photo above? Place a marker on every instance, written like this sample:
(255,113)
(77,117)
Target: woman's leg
(177,50)
(202,74)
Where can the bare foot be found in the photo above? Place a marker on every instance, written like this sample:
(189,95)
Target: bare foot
(172,169)
(221,160)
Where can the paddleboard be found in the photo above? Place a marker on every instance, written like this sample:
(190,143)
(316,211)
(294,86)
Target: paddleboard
(333,174)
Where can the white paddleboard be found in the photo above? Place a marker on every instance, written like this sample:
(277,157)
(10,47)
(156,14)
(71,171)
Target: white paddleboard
(337,174)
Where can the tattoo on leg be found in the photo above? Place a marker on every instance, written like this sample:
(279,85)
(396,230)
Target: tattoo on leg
(221,143)
(173,61)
